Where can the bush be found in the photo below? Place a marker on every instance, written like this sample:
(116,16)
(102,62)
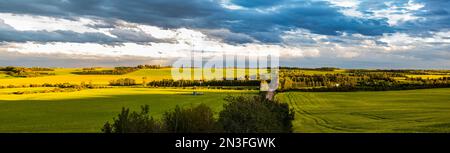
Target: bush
(133,122)
(123,82)
(190,120)
(255,115)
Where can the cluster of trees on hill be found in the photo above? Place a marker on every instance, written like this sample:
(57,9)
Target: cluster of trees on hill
(189,83)
(58,85)
(146,66)
(26,72)
(314,69)
(116,70)
(48,91)
(123,82)
(356,80)
(13,68)
(240,114)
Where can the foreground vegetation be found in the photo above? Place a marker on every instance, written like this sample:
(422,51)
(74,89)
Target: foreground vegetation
(241,114)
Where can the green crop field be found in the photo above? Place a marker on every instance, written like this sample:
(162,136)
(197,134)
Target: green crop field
(88,110)
(426,110)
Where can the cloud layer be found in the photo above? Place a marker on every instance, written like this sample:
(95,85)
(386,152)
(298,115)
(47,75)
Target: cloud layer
(346,33)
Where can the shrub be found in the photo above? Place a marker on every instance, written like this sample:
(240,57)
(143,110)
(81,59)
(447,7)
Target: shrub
(197,119)
(255,115)
(133,122)
(123,82)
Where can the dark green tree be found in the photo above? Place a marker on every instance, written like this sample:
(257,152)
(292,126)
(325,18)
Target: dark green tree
(197,119)
(133,122)
(255,114)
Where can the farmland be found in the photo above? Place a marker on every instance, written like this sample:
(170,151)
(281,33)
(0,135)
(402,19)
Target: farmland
(361,109)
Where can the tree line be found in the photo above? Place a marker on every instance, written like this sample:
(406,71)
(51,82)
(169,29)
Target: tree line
(190,83)
(357,81)
(116,71)
(26,72)
(146,66)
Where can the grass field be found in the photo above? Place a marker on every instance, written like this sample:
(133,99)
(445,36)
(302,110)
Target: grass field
(425,110)
(88,110)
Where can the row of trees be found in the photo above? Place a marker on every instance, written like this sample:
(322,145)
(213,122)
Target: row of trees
(146,66)
(115,71)
(58,85)
(25,72)
(13,68)
(189,83)
(313,69)
(240,114)
(54,90)
(123,82)
(358,80)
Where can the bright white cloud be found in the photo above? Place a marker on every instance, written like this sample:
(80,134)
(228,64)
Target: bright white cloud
(35,23)
(398,14)
(349,7)
(393,13)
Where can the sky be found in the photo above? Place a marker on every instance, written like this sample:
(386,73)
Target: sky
(386,34)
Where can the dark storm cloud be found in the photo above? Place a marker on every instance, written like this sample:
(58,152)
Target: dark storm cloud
(262,24)
(256,3)
(71,60)
(157,12)
(229,37)
(317,17)
(9,34)
(436,14)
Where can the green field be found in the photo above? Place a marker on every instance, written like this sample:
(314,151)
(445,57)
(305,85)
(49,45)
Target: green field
(425,110)
(88,110)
